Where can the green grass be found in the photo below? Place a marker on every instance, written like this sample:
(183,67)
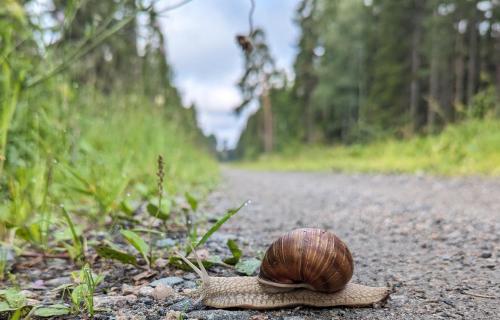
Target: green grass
(470,148)
(93,154)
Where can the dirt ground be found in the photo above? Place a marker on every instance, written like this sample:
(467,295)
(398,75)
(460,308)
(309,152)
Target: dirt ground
(435,241)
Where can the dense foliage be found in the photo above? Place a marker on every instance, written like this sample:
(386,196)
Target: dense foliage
(369,69)
(87,106)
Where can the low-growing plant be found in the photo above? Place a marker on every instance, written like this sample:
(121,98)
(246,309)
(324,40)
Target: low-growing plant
(82,295)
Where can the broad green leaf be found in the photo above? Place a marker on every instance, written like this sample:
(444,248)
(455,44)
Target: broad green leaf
(14,298)
(248,266)
(193,202)
(127,207)
(137,242)
(52,310)
(164,213)
(235,250)
(78,294)
(111,253)
(4,307)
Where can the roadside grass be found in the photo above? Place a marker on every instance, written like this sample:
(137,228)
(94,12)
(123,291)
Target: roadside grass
(77,170)
(469,148)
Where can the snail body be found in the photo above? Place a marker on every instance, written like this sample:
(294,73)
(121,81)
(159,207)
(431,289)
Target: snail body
(304,267)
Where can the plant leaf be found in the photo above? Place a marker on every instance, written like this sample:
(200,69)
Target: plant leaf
(162,214)
(14,298)
(178,263)
(127,207)
(235,250)
(193,202)
(137,242)
(248,266)
(4,307)
(111,253)
(216,226)
(51,311)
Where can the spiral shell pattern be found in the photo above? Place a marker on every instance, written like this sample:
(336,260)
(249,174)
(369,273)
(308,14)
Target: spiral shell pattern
(316,258)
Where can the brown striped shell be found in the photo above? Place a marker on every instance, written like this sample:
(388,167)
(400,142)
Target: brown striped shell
(311,258)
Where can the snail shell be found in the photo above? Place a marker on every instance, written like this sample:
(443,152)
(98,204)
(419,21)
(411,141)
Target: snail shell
(312,258)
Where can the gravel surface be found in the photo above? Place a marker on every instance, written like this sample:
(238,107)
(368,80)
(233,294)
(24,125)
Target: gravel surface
(436,241)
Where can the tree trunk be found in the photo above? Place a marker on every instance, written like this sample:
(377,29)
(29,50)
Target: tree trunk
(415,67)
(268,121)
(309,119)
(472,63)
(433,84)
(459,71)
(497,73)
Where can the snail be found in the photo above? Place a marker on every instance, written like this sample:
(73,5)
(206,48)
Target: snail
(306,266)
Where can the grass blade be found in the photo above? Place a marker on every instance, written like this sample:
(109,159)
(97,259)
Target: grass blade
(217,225)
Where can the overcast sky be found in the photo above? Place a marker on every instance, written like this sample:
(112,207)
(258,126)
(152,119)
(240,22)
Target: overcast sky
(207,62)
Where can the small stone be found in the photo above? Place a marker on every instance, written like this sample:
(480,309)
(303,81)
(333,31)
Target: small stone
(144,275)
(169,281)
(486,255)
(56,282)
(448,302)
(190,276)
(101,301)
(128,289)
(259,317)
(161,263)
(29,294)
(162,292)
(167,242)
(172,315)
(185,305)
(398,300)
(189,285)
(38,285)
(146,291)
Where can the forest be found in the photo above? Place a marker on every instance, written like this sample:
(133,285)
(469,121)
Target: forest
(369,70)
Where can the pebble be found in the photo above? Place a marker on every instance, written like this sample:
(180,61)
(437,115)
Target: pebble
(161,263)
(190,276)
(168,281)
(486,255)
(220,315)
(146,291)
(56,282)
(167,242)
(189,285)
(173,315)
(29,294)
(185,305)
(162,292)
(101,301)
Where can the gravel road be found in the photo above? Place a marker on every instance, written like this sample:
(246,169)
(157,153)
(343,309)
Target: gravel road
(435,240)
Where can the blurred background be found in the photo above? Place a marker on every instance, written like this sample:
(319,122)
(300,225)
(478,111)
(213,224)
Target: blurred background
(91,92)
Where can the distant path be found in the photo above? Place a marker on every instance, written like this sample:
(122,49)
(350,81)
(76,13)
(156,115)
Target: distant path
(434,239)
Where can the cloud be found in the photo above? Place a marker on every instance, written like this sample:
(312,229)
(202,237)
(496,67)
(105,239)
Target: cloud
(207,62)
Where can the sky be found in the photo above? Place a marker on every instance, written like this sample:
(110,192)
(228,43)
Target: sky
(207,62)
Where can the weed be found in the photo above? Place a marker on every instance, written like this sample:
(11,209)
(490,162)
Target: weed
(82,296)
(160,174)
